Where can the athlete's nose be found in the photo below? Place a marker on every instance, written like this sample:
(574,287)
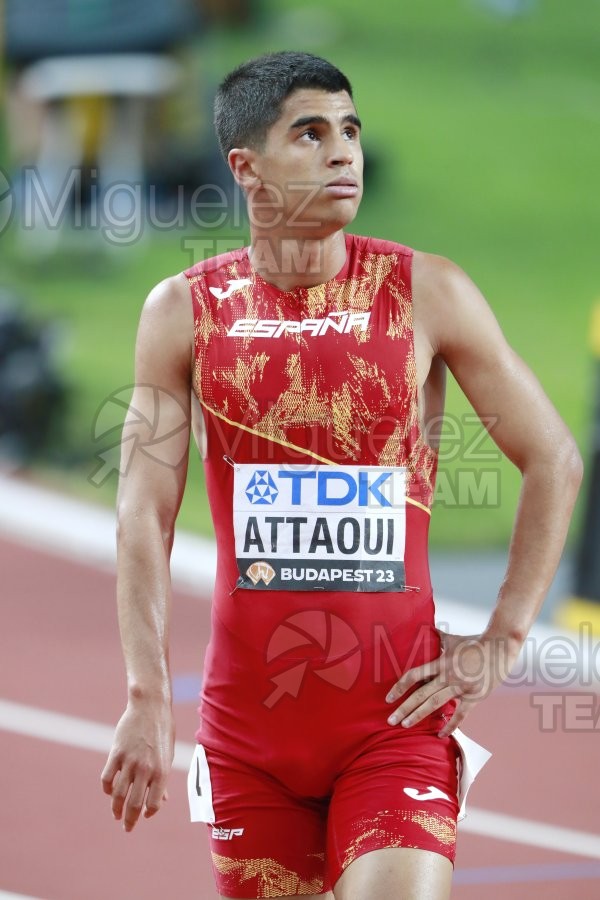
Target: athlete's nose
(341,153)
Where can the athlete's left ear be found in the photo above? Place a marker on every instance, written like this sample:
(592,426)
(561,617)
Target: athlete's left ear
(242,162)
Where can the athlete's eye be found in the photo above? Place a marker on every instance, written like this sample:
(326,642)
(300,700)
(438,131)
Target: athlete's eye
(351,133)
(311,134)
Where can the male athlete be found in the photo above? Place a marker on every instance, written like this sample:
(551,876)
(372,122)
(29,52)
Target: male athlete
(323,769)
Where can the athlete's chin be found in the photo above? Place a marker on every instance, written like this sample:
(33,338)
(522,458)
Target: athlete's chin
(336,216)
(345,210)
(346,213)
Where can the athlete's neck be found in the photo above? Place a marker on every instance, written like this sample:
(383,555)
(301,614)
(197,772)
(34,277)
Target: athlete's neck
(290,263)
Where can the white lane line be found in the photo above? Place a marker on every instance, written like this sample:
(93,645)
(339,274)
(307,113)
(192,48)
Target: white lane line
(71,730)
(87,735)
(6,895)
(534,834)
(80,531)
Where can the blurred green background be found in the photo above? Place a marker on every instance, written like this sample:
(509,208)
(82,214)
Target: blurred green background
(482,131)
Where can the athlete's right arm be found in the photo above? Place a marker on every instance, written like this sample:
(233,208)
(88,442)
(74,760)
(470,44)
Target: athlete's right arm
(154,454)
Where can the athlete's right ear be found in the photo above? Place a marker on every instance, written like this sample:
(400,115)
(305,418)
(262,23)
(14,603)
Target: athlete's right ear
(242,164)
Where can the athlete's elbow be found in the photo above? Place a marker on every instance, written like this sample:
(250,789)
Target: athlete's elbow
(143,524)
(572,464)
(562,462)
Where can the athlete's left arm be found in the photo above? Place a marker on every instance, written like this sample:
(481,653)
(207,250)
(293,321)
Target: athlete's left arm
(461,329)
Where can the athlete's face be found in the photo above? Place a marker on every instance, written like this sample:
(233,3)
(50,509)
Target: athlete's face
(310,168)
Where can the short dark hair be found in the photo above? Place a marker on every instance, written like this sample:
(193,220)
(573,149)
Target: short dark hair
(250,98)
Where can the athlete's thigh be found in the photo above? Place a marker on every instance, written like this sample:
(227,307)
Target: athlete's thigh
(264,840)
(395,805)
(396,872)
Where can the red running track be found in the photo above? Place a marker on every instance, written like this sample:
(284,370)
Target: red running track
(60,652)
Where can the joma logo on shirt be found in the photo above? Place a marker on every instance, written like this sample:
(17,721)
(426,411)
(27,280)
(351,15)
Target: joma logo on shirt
(342,322)
(234,285)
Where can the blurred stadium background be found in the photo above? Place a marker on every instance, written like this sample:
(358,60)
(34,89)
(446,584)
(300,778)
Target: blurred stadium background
(482,130)
(482,139)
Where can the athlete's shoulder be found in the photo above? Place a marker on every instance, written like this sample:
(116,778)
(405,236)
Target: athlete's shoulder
(168,296)
(436,276)
(447,304)
(214,264)
(166,316)
(365,245)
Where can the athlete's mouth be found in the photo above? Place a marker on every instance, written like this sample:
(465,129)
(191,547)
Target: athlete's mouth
(342,180)
(342,186)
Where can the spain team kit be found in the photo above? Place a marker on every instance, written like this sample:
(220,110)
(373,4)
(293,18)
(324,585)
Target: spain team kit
(320,484)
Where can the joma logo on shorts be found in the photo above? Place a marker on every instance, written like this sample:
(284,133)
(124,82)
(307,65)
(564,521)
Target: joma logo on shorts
(226,834)
(342,322)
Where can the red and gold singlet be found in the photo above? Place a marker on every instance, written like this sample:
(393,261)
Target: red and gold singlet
(320,485)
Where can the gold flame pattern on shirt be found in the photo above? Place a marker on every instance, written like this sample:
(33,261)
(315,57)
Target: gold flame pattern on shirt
(270,878)
(241,377)
(401,323)
(353,404)
(354,293)
(204,324)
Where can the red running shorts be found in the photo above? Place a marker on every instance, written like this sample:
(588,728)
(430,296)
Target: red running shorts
(267,841)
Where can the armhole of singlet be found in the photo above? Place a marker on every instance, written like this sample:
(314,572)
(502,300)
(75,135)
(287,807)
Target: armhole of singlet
(200,437)
(193,282)
(417,393)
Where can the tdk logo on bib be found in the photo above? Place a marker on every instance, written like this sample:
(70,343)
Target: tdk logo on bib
(320,527)
(337,488)
(333,487)
(261,488)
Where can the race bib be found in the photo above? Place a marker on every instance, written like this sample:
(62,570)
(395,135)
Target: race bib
(310,528)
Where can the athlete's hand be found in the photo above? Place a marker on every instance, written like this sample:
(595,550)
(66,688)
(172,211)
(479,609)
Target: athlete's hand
(467,670)
(135,774)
